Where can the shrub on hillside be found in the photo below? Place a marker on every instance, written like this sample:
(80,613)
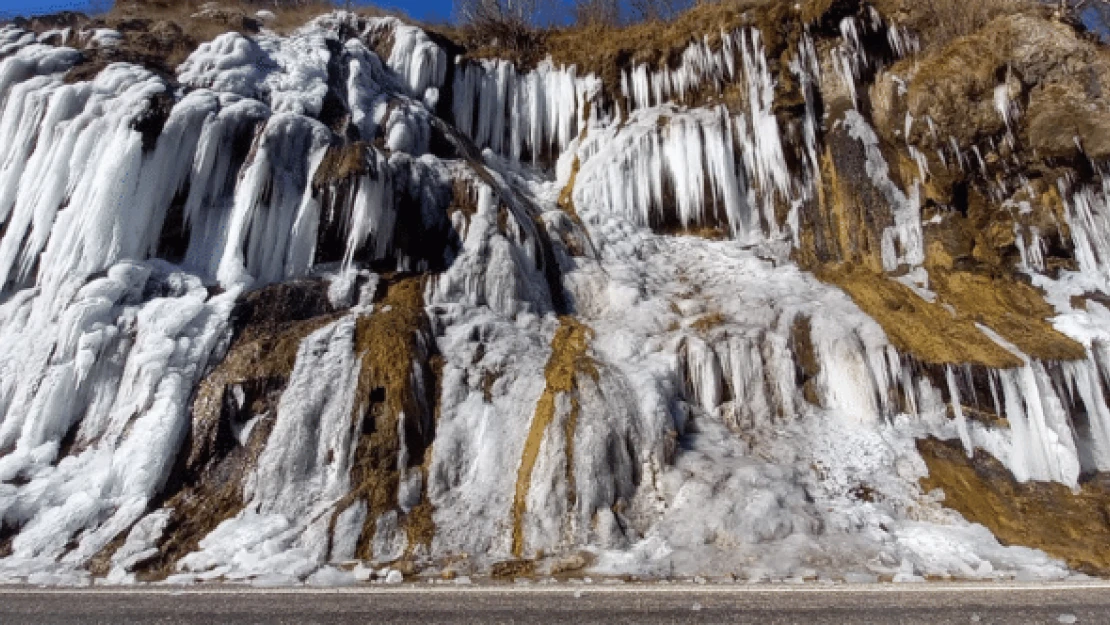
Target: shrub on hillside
(941,21)
(506,25)
(597,12)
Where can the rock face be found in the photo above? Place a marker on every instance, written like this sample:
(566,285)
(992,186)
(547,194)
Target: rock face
(779,294)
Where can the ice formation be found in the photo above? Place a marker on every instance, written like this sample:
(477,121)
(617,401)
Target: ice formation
(700,65)
(691,431)
(533,115)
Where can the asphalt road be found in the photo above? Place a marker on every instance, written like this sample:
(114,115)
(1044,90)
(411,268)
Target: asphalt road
(931,604)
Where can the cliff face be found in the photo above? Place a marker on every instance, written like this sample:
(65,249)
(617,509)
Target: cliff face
(772,291)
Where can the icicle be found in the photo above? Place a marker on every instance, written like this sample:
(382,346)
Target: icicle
(1032,253)
(806,67)
(1042,441)
(685,152)
(536,114)
(373,216)
(698,67)
(903,243)
(1088,216)
(761,140)
(420,63)
(13,39)
(958,410)
(272,196)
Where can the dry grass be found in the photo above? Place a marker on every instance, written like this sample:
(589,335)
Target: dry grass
(566,195)
(510,569)
(101,563)
(1012,308)
(945,332)
(805,358)
(605,49)
(569,358)
(705,323)
(419,525)
(388,343)
(1072,526)
(938,22)
(342,162)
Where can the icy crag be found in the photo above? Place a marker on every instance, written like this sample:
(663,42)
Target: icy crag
(792,305)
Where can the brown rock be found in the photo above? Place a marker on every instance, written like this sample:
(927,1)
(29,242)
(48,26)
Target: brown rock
(1042,515)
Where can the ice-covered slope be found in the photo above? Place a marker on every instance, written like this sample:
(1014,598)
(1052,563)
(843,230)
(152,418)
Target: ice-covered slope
(337,296)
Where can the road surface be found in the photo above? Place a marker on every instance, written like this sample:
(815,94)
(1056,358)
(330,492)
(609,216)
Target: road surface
(933,604)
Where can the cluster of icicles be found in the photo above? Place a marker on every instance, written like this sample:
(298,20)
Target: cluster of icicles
(104,344)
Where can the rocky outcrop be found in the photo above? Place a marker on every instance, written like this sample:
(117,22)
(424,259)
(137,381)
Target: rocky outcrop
(1069,525)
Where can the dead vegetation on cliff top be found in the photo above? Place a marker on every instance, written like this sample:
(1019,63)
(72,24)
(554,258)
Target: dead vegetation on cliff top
(938,22)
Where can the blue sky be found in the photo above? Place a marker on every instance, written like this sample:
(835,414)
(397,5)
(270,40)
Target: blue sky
(421,9)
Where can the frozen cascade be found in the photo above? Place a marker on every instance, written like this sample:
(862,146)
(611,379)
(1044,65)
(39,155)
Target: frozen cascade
(113,362)
(272,202)
(1088,213)
(729,405)
(302,473)
(540,113)
(371,218)
(420,63)
(682,155)
(290,74)
(699,64)
(1086,381)
(753,507)
(119,364)
(903,243)
(761,141)
(532,115)
(807,69)
(497,270)
(1043,447)
(12,38)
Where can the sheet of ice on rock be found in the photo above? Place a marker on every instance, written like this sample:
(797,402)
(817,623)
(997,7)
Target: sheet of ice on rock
(302,473)
(763,483)
(110,377)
